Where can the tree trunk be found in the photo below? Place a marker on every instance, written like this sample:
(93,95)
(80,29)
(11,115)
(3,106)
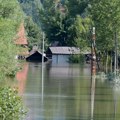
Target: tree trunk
(111,61)
(115,56)
(106,63)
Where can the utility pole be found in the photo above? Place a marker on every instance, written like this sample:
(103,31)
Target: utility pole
(93,73)
(43,67)
(93,60)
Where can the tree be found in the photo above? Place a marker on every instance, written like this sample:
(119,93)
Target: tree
(34,33)
(32,22)
(82,26)
(77,7)
(59,22)
(11,106)
(10,19)
(51,20)
(106,17)
(58,19)
(30,8)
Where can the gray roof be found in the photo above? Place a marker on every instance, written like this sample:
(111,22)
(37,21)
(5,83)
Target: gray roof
(65,50)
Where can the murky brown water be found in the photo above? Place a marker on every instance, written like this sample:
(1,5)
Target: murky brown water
(68,94)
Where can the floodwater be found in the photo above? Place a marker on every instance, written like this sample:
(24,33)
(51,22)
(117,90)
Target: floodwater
(67,93)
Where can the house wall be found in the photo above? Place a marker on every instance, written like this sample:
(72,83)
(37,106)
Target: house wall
(60,59)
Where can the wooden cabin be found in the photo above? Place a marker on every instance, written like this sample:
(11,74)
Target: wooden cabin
(61,54)
(36,56)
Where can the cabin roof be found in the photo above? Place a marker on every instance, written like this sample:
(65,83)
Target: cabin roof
(34,51)
(36,56)
(21,37)
(64,50)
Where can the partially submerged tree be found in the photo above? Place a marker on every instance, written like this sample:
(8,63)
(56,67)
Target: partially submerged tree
(106,17)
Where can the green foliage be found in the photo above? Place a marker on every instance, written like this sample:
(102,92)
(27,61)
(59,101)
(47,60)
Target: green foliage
(77,7)
(33,32)
(10,18)
(30,7)
(10,9)
(7,49)
(77,58)
(81,27)
(62,25)
(106,17)
(62,21)
(11,106)
(32,22)
(52,22)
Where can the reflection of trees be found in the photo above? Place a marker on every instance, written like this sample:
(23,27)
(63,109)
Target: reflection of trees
(107,98)
(32,93)
(67,95)
(82,98)
(103,106)
(54,107)
(116,94)
(66,98)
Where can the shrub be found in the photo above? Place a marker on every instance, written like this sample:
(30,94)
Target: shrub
(76,58)
(11,106)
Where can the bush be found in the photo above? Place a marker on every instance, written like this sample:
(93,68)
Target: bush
(11,106)
(76,59)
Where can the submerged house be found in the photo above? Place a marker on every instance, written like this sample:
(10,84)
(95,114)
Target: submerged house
(61,54)
(21,40)
(36,56)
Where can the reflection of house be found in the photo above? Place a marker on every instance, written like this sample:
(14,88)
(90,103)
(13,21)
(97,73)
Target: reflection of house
(21,76)
(61,54)
(21,40)
(36,56)
(67,71)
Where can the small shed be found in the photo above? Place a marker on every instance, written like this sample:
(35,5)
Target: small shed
(36,56)
(61,54)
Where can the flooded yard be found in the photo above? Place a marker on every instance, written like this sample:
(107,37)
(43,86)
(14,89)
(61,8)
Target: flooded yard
(68,93)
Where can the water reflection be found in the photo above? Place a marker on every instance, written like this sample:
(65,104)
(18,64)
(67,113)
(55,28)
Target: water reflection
(93,81)
(69,94)
(116,93)
(21,77)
